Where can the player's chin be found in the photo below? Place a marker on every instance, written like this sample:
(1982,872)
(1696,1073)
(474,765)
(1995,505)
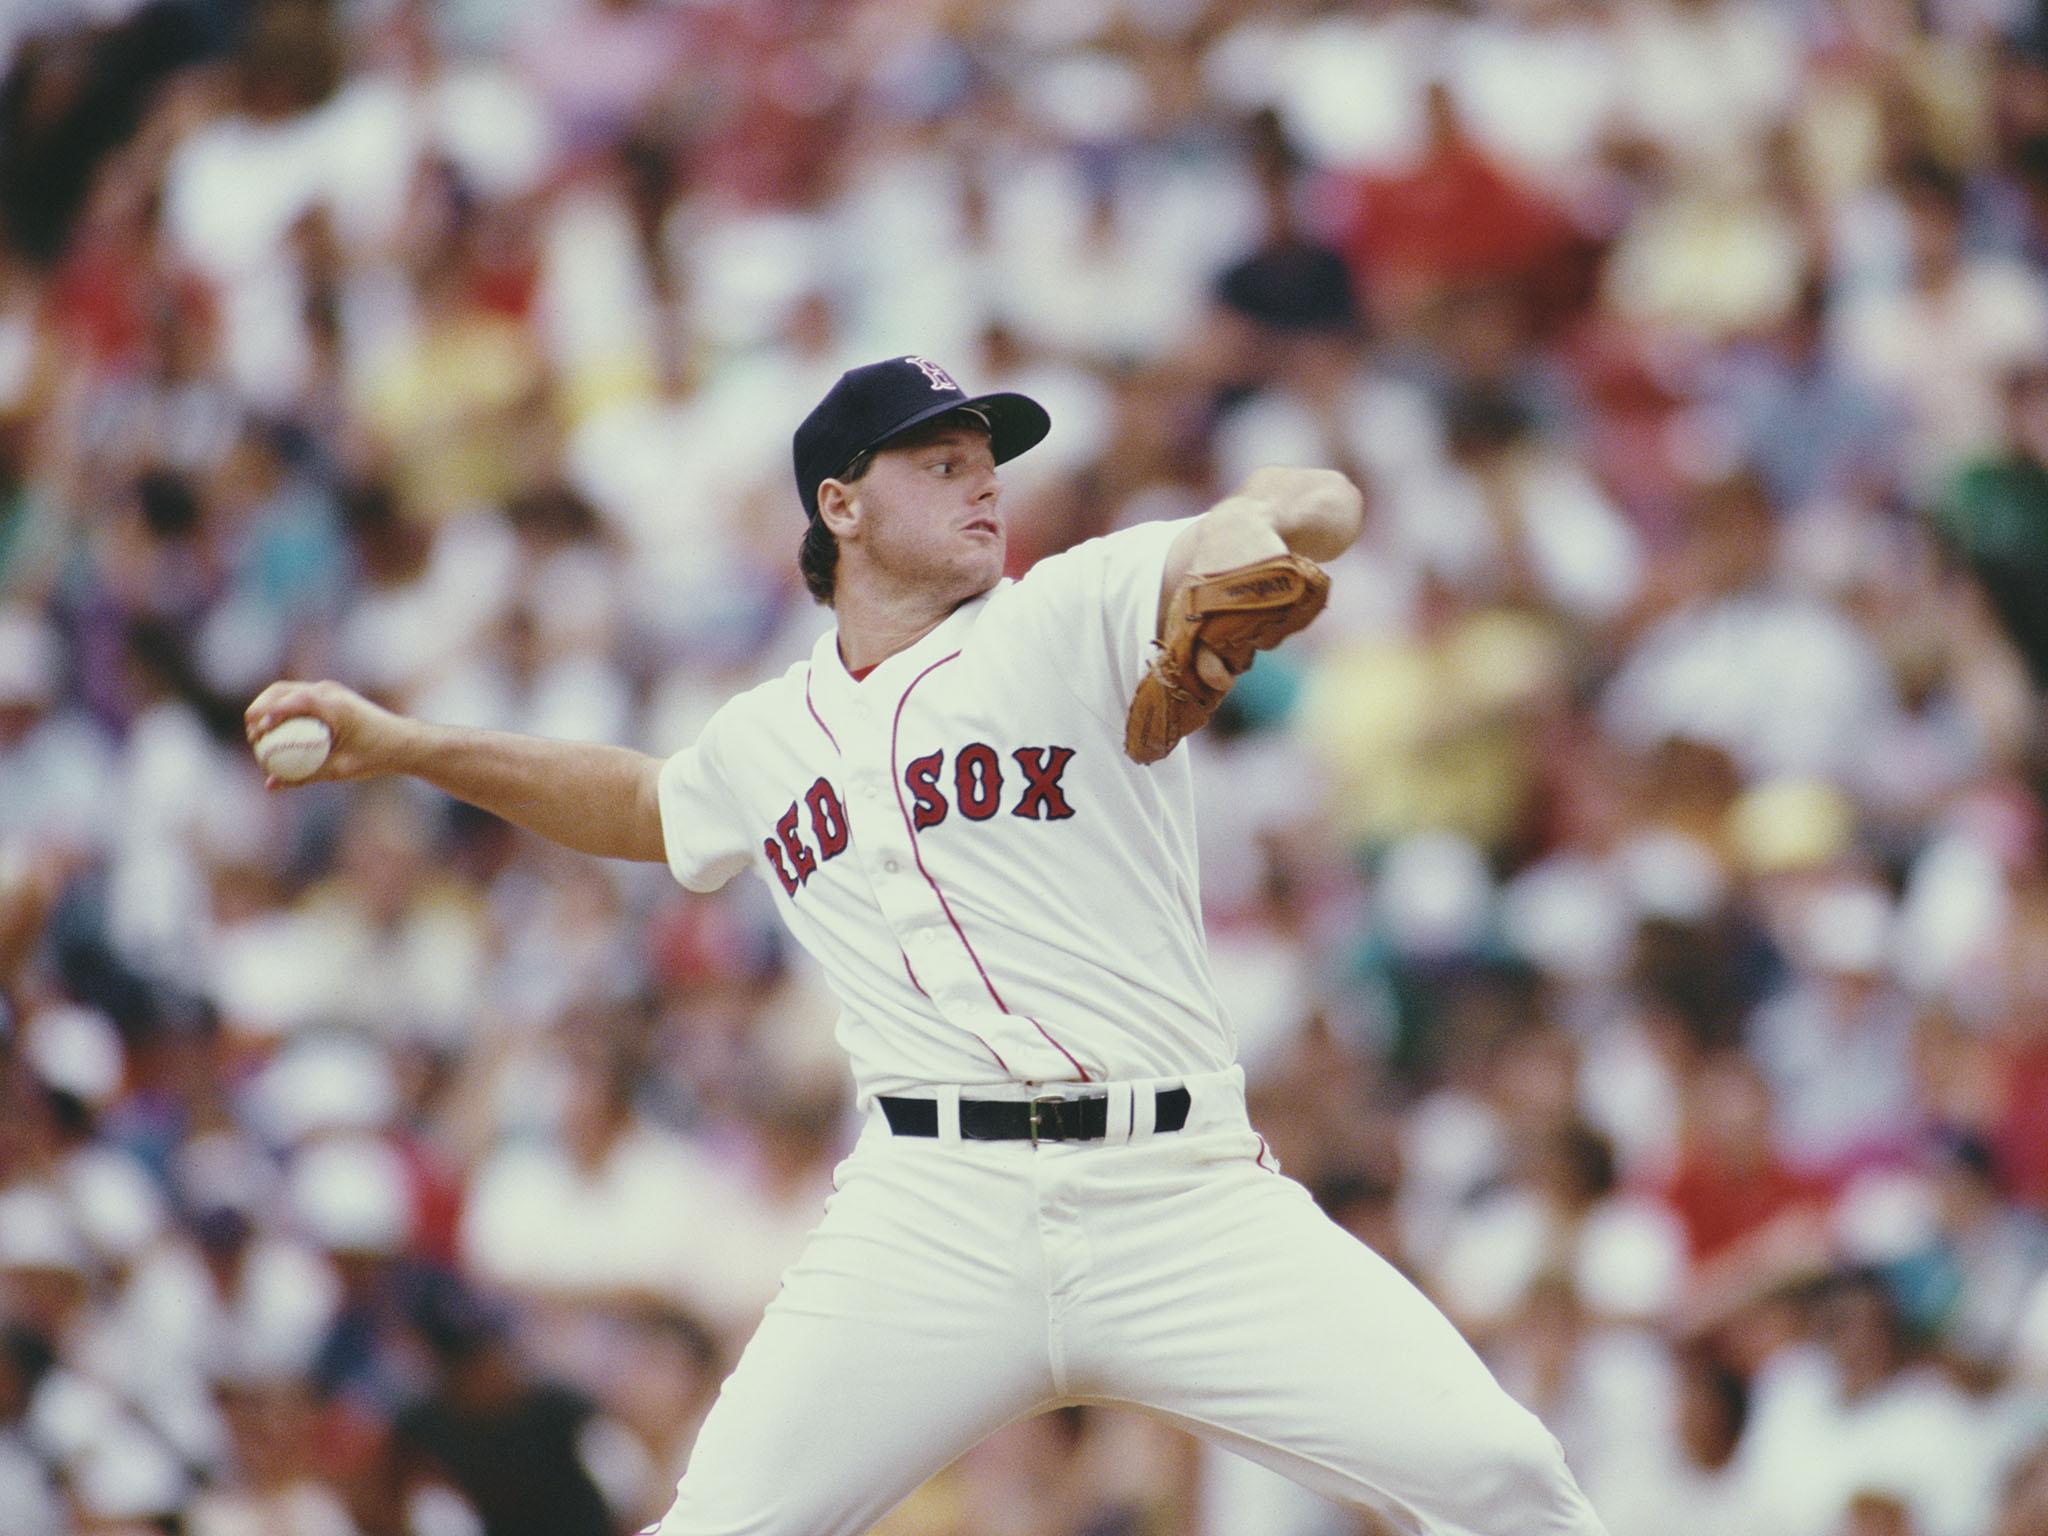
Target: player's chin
(981,555)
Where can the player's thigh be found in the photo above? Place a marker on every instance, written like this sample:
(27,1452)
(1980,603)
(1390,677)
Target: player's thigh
(1265,1326)
(901,1337)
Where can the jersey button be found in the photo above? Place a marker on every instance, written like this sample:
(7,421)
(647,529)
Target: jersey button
(891,865)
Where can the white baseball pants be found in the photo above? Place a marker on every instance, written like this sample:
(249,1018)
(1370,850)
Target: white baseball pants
(955,1286)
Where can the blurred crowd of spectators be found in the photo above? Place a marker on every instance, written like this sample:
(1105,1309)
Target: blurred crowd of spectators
(1632,896)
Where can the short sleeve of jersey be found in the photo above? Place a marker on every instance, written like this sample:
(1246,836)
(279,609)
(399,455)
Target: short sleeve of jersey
(700,824)
(1096,607)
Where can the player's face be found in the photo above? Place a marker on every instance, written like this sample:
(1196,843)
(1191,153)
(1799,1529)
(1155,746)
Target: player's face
(931,515)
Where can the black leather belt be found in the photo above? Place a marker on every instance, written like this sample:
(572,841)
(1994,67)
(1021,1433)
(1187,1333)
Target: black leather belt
(1048,1117)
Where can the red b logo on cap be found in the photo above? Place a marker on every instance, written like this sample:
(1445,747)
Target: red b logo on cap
(941,380)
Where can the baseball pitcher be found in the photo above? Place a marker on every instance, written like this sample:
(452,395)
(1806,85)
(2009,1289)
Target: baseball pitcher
(968,806)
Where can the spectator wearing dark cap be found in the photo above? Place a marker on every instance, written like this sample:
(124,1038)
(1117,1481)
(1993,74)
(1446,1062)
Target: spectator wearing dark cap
(1284,323)
(660,1383)
(1293,284)
(519,1450)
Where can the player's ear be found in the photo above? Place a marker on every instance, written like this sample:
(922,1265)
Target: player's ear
(839,508)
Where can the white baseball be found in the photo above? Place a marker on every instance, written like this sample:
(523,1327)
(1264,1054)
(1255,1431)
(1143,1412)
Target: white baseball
(294,749)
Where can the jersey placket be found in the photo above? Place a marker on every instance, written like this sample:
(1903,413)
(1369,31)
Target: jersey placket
(883,730)
(928,931)
(936,953)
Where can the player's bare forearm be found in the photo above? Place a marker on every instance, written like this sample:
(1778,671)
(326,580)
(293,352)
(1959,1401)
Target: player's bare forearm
(587,796)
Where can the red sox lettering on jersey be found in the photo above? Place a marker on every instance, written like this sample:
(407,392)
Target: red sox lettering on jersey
(962,844)
(977,791)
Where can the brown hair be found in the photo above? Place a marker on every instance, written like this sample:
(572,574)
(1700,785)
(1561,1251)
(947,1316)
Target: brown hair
(818,556)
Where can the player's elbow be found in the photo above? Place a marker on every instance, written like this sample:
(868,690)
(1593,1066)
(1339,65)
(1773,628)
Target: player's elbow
(1318,512)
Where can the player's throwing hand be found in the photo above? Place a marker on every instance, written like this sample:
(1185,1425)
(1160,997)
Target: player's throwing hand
(366,738)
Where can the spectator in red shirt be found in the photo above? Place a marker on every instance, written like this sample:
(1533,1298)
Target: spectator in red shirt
(1452,220)
(1730,1181)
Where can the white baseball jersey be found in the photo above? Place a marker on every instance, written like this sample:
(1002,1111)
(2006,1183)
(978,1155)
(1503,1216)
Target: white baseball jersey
(995,891)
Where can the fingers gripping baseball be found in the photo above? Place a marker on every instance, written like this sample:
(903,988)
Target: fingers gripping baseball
(362,733)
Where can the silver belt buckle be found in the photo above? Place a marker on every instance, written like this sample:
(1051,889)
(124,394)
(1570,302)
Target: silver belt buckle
(1037,1103)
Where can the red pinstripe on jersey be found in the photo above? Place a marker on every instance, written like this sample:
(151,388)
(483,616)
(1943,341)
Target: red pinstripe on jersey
(928,997)
(910,827)
(818,717)
(998,1055)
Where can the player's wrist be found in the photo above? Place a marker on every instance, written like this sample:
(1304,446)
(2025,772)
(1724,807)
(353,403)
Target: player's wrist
(399,744)
(1236,531)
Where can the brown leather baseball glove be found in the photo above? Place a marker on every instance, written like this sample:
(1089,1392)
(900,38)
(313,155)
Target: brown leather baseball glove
(1232,613)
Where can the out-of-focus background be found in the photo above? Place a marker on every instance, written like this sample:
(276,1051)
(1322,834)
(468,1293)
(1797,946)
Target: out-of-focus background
(1630,895)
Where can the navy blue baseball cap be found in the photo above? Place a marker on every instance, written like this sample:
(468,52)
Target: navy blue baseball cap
(870,405)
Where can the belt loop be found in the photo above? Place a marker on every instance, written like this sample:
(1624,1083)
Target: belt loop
(1144,1109)
(948,1096)
(1122,1096)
